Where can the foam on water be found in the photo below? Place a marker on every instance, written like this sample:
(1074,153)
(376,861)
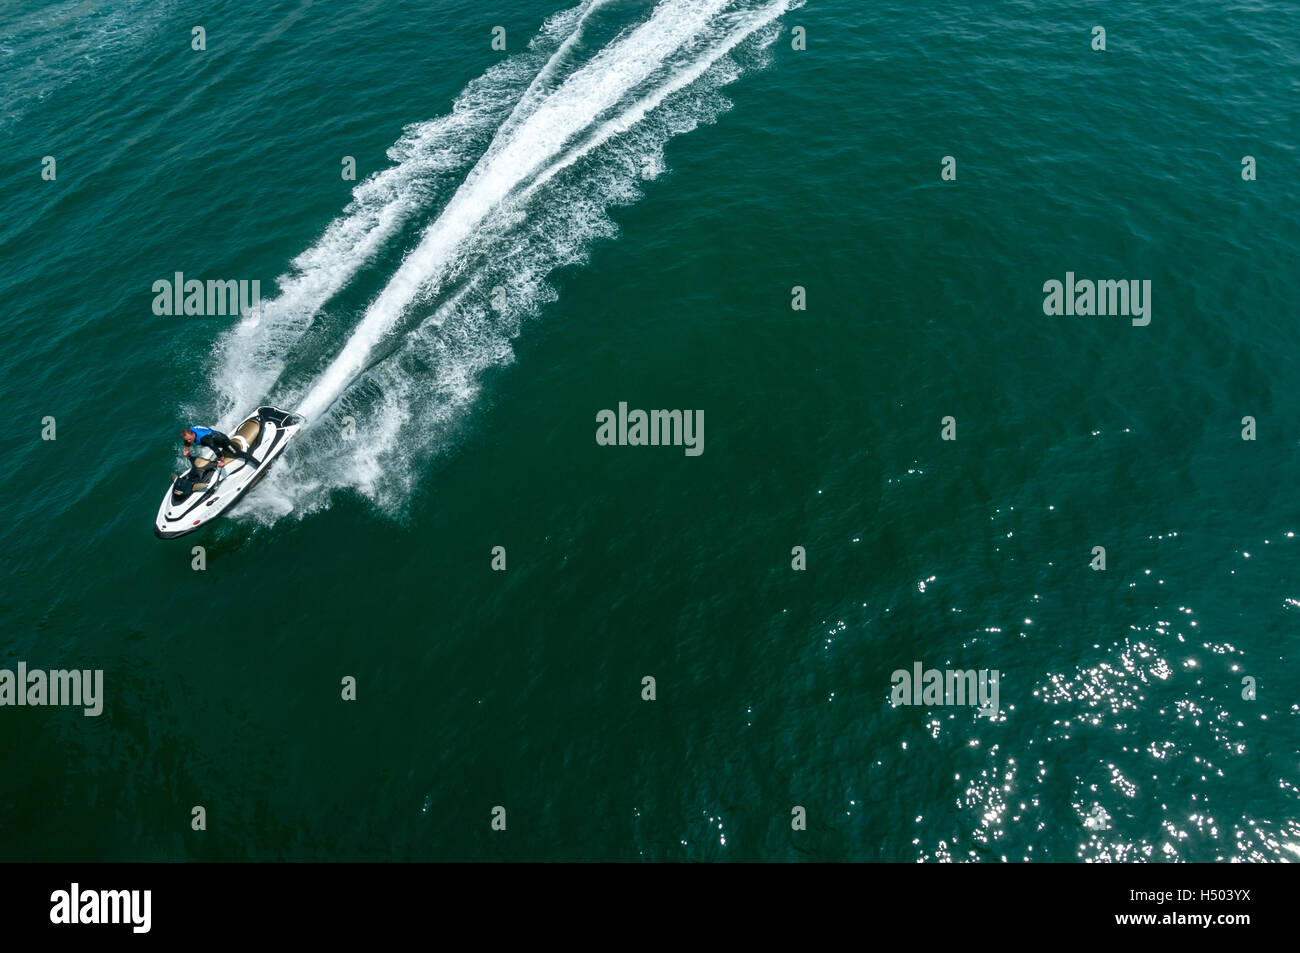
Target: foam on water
(55,45)
(254,354)
(510,160)
(578,140)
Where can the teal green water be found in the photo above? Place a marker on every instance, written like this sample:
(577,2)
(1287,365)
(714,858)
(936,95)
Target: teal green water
(616,208)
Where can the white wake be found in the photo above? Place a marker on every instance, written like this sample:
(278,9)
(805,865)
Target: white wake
(578,136)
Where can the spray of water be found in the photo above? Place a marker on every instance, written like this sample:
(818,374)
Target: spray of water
(427,157)
(579,135)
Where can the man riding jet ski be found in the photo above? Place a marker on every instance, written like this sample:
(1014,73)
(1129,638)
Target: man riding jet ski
(204,469)
(222,469)
(216,441)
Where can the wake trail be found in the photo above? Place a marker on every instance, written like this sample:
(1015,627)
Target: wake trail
(589,92)
(579,133)
(254,354)
(639,110)
(537,88)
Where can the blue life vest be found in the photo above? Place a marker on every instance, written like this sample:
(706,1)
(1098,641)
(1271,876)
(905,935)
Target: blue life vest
(201,432)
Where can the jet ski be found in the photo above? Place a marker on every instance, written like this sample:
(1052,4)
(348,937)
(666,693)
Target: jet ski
(208,490)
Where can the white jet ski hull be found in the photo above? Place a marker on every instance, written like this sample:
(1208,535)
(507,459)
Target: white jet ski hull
(264,434)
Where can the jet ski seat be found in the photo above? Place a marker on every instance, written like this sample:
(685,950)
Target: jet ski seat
(246,433)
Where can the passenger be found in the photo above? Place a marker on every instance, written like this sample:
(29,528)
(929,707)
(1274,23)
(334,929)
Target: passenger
(216,441)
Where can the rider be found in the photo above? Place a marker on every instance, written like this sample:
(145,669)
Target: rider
(215,441)
(201,467)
